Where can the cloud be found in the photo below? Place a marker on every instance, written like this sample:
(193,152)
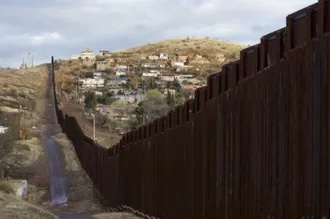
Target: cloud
(44,37)
(65,27)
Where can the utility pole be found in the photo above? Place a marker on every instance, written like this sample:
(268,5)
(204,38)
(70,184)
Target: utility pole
(28,62)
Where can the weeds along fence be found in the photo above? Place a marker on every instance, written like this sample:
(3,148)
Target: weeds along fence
(252,144)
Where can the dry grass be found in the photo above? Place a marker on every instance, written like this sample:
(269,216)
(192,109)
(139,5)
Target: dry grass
(22,81)
(30,150)
(12,207)
(67,70)
(6,187)
(194,45)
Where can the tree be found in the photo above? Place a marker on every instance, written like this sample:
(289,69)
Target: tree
(176,85)
(154,106)
(90,100)
(120,92)
(170,99)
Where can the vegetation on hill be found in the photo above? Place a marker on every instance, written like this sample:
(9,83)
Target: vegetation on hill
(207,55)
(191,45)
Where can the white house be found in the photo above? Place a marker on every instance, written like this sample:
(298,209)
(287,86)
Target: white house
(162,66)
(98,93)
(184,77)
(3,129)
(87,54)
(121,67)
(97,75)
(148,65)
(153,57)
(131,98)
(181,68)
(150,74)
(163,56)
(120,72)
(92,82)
(177,64)
(167,77)
(154,71)
(102,65)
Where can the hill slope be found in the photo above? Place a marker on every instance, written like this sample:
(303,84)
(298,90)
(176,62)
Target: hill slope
(202,46)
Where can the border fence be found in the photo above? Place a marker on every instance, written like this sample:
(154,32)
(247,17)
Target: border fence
(252,144)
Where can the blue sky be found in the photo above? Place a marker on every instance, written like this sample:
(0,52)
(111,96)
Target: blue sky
(65,27)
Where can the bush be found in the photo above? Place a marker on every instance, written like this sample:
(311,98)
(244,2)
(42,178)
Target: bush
(90,100)
(6,188)
(67,89)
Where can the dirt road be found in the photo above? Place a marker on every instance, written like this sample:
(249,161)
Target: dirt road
(72,191)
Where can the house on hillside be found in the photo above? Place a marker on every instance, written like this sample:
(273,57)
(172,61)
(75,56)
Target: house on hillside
(103,65)
(130,98)
(120,72)
(98,93)
(163,56)
(150,74)
(121,67)
(182,58)
(92,82)
(87,54)
(185,77)
(167,77)
(105,53)
(117,81)
(181,68)
(153,57)
(177,64)
(114,88)
(86,62)
(97,75)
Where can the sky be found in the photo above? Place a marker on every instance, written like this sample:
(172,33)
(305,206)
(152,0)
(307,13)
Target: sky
(65,27)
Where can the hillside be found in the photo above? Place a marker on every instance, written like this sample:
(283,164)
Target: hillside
(205,55)
(207,47)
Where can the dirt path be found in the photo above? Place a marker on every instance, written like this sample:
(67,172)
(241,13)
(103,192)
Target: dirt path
(56,181)
(72,190)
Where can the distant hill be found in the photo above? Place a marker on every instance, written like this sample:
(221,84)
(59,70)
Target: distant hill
(207,55)
(193,45)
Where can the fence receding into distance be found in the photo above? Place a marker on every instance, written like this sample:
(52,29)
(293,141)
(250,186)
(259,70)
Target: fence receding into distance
(254,143)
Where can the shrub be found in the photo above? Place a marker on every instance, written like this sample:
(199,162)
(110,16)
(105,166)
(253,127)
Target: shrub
(6,188)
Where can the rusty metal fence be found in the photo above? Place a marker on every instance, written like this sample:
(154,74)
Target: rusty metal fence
(252,144)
